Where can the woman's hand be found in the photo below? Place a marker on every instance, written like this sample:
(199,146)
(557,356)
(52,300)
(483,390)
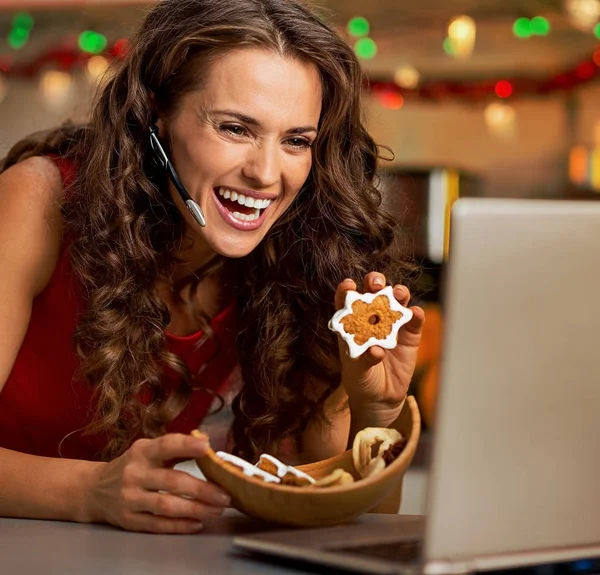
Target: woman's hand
(377,382)
(138,491)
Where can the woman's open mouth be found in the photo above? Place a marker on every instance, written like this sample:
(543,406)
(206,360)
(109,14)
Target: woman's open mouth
(240,211)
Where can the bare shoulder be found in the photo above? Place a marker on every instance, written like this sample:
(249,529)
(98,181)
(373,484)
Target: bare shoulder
(31,194)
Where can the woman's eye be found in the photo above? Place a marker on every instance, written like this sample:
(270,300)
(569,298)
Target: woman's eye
(300,143)
(234,129)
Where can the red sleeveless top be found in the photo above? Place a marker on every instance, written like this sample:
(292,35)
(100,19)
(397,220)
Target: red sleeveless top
(42,405)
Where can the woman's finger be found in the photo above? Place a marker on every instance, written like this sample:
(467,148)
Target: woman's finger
(415,325)
(402,294)
(167,505)
(373,282)
(340,292)
(183,484)
(150,523)
(171,446)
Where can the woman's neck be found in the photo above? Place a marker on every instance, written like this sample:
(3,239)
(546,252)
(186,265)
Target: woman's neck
(194,254)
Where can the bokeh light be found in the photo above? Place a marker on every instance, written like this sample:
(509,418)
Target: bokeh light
(540,26)
(407,77)
(500,119)
(584,14)
(503,89)
(96,67)
(359,27)
(56,87)
(92,42)
(391,100)
(365,48)
(462,32)
(522,28)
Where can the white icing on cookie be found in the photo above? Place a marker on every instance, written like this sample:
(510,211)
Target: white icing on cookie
(390,341)
(283,469)
(247,468)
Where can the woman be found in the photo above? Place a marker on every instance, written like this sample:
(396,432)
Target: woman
(131,291)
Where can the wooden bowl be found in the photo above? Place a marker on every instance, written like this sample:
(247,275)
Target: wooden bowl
(303,507)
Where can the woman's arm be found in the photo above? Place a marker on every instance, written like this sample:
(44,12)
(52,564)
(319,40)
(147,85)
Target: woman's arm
(30,238)
(321,441)
(44,488)
(136,491)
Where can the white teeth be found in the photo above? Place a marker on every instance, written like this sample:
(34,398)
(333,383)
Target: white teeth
(244,200)
(247,217)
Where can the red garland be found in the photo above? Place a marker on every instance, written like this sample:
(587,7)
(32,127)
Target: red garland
(67,58)
(582,73)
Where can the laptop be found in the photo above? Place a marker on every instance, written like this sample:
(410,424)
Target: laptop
(514,476)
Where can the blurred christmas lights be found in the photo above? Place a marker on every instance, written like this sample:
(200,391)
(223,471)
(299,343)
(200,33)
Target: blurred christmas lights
(359,27)
(462,32)
(96,67)
(56,87)
(22,25)
(584,14)
(500,119)
(407,77)
(92,42)
(365,48)
(503,89)
(391,100)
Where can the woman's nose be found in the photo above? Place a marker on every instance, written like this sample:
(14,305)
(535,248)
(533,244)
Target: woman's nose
(262,165)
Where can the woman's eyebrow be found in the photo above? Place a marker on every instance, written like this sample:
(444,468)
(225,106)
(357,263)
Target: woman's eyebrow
(253,122)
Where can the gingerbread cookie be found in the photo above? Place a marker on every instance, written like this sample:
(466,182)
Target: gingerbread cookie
(247,468)
(370,319)
(287,474)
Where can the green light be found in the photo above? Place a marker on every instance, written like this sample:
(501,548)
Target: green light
(23,20)
(449,47)
(522,28)
(540,26)
(17,38)
(92,42)
(365,48)
(359,27)
(597,30)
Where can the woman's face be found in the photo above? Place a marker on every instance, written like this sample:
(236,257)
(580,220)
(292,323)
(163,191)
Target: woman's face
(241,145)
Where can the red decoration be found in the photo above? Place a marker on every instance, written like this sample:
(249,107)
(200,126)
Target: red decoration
(503,89)
(119,49)
(391,100)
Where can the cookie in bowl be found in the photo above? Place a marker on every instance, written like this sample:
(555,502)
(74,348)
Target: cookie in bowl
(339,492)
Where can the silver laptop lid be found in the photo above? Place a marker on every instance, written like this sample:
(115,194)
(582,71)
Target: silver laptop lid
(516,462)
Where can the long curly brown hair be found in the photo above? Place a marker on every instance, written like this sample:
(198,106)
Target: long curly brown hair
(126,231)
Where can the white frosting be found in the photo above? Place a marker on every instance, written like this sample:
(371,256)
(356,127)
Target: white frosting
(283,469)
(247,468)
(390,341)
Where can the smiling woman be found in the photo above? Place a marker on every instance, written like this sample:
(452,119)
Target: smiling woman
(192,240)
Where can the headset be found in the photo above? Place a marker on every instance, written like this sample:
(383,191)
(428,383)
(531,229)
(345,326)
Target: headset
(162,161)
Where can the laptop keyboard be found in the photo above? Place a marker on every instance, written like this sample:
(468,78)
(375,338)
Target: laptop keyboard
(398,551)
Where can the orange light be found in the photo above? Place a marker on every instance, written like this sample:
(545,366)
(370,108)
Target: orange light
(392,100)
(578,165)
(596,57)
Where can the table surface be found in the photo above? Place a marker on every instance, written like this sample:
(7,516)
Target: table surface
(48,547)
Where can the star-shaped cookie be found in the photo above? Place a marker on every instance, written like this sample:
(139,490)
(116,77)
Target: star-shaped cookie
(370,319)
